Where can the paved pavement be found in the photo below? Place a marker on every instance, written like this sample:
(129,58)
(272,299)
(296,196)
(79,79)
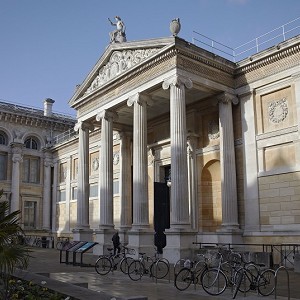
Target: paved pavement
(84,283)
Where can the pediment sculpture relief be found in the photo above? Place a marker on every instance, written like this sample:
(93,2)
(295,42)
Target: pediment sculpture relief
(119,62)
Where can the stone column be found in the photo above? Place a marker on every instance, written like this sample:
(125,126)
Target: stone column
(227,161)
(106,169)
(106,223)
(125,180)
(140,162)
(82,230)
(179,167)
(15,178)
(251,195)
(47,190)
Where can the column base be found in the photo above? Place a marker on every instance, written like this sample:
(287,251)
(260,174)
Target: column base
(179,244)
(103,237)
(141,240)
(81,234)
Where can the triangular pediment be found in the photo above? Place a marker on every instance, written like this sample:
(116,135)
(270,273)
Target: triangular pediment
(117,60)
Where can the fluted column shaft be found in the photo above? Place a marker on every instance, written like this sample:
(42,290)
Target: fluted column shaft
(140,158)
(83,176)
(15,180)
(125,180)
(106,169)
(179,167)
(47,191)
(227,161)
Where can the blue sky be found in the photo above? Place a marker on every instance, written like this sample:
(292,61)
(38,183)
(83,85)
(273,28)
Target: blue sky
(49,46)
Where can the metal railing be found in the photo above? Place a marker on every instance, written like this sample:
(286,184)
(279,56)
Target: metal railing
(280,254)
(262,42)
(65,136)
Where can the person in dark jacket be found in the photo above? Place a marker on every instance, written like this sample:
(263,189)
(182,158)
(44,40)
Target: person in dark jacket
(116,242)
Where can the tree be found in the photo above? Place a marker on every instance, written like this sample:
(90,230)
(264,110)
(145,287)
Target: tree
(12,253)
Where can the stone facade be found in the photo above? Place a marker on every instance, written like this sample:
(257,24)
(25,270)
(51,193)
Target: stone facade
(227,133)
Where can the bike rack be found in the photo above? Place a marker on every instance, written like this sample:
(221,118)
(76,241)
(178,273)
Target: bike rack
(288,280)
(167,262)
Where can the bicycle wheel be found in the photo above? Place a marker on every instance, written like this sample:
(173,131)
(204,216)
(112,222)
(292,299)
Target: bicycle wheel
(183,279)
(214,282)
(247,279)
(103,265)
(238,278)
(59,245)
(266,282)
(136,270)
(159,269)
(125,263)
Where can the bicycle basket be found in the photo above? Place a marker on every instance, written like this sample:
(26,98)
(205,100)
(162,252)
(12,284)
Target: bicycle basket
(213,259)
(130,252)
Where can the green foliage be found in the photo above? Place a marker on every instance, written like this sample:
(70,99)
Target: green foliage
(12,254)
(21,289)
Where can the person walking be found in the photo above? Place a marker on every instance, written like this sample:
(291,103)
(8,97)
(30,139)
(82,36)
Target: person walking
(116,242)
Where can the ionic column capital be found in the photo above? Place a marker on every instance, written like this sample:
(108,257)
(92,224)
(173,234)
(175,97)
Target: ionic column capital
(139,99)
(226,98)
(107,115)
(177,80)
(83,126)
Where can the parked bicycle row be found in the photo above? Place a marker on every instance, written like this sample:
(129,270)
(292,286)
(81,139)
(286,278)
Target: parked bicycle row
(214,271)
(153,266)
(217,270)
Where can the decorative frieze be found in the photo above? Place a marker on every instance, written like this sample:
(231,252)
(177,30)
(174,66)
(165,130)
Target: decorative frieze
(119,62)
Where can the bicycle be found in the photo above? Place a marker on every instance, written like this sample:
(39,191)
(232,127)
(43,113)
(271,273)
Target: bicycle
(253,277)
(154,266)
(214,281)
(191,273)
(109,263)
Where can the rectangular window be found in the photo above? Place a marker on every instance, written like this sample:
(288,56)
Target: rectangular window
(74,193)
(31,169)
(30,214)
(3,166)
(93,190)
(62,196)
(116,187)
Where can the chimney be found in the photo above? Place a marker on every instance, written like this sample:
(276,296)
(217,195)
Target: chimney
(48,103)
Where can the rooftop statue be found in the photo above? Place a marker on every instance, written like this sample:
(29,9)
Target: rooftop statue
(118,35)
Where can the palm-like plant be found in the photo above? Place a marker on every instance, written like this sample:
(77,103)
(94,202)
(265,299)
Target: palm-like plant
(12,254)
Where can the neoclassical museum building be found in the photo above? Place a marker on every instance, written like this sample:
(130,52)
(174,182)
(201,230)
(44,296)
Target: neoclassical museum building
(168,137)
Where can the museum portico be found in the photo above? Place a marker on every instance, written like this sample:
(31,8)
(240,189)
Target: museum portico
(174,139)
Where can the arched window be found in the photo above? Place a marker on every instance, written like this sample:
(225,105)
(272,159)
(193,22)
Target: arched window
(3,139)
(31,143)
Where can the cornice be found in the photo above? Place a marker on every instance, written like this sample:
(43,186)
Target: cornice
(35,120)
(268,62)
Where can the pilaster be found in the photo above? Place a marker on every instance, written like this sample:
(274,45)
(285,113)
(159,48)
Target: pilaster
(251,196)
(15,178)
(47,190)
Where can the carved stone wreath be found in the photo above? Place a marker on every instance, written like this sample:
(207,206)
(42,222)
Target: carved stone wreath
(116,158)
(213,130)
(278,110)
(95,164)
